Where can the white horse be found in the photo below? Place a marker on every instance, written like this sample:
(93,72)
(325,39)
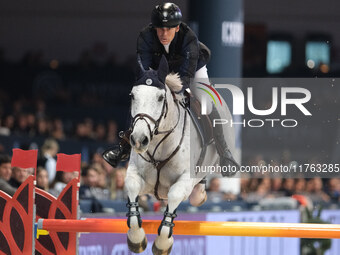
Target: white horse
(160,160)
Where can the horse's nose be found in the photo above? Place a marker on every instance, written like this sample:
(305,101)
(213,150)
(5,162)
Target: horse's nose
(145,141)
(139,142)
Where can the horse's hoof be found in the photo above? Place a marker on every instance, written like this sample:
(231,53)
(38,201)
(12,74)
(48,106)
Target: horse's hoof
(156,251)
(203,200)
(137,247)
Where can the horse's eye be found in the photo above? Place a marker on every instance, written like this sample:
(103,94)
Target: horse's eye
(132,96)
(160,98)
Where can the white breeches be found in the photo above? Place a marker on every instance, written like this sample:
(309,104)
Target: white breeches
(201,75)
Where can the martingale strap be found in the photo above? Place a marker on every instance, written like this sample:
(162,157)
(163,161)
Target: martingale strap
(159,164)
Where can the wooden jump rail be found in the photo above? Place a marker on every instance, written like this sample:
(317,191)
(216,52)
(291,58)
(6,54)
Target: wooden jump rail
(204,228)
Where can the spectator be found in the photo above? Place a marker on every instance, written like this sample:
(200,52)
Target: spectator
(49,150)
(276,187)
(90,188)
(5,175)
(288,186)
(261,192)
(112,132)
(30,118)
(2,149)
(244,190)
(4,131)
(276,184)
(42,128)
(100,132)
(88,123)
(58,130)
(333,189)
(214,192)
(81,131)
(309,186)
(9,123)
(60,182)
(42,178)
(19,175)
(244,183)
(300,186)
(97,158)
(266,182)
(17,107)
(103,179)
(22,125)
(318,195)
(40,109)
(253,184)
(117,184)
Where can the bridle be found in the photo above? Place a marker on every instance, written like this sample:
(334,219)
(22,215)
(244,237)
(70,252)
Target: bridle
(158,164)
(144,116)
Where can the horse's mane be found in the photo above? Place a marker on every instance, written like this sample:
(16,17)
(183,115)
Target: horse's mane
(174,83)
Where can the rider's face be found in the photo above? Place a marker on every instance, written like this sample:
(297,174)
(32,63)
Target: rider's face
(166,34)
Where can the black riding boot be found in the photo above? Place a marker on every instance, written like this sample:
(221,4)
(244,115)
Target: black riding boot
(120,152)
(226,158)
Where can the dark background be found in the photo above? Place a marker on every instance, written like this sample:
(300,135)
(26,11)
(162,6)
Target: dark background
(78,57)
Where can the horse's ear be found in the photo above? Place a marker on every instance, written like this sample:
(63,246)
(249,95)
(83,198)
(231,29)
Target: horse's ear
(139,68)
(163,69)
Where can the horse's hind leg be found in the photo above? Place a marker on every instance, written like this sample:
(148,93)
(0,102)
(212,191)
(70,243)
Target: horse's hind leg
(177,193)
(198,195)
(136,238)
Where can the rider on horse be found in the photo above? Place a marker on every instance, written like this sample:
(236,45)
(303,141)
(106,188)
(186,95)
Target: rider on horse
(167,35)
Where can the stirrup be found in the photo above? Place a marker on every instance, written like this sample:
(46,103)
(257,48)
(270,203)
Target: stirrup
(110,159)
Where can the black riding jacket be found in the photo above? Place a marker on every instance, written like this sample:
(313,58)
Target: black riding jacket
(186,54)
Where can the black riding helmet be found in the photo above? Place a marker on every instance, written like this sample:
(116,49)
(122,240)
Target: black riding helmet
(166,15)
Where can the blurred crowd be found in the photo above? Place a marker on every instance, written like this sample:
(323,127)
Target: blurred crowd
(27,118)
(255,189)
(98,179)
(43,100)
(85,100)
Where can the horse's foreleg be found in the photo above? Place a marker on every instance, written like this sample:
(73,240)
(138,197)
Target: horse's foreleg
(177,193)
(136,238)
(198,196)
